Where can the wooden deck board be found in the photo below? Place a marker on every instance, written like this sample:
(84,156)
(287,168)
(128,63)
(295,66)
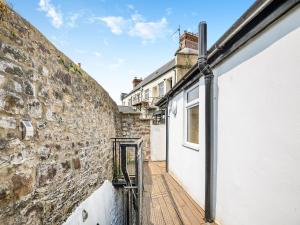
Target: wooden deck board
(165,201)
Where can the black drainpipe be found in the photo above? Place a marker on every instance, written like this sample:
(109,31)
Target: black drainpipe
(167,135)
(208,77)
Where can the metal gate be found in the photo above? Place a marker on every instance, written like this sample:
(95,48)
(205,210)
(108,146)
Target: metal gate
(128,175)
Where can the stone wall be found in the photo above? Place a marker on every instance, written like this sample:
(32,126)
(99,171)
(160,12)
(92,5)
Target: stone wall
(133,126)
(44,177)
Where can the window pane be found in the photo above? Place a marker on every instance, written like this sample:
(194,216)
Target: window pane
(161,89)
(193,124)
(147,94)
(193,94)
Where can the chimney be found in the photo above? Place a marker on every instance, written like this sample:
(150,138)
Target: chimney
(189,40)
(136,81)
(123,95)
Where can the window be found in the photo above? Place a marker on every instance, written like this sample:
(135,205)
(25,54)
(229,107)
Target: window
(169,84)
(147,94)
(138,97)
(130,101)
(193,124)
(161,89)
(192,116)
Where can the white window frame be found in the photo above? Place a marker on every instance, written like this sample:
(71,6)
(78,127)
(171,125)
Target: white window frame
(187,106)
(159,89)
(147,94)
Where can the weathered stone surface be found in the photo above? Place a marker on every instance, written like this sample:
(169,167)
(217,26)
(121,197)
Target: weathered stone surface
(22,185)
(76,163)
(28,88)
(3,143)
(44,178)
(7,122)
(133,126)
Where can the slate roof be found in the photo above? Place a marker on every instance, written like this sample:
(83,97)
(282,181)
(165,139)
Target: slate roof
(156,74)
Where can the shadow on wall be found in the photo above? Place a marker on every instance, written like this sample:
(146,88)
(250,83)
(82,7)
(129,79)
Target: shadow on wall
(104,206)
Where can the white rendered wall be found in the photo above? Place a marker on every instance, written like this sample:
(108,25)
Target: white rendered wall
(186,164)
(104,206)
(158,142)
(258,136)
(257,102)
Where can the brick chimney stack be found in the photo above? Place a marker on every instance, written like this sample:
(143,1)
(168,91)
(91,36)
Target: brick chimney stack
(189,40)
(136,81)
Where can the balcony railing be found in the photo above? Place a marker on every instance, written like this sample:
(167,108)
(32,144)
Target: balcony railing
(128,174)
(149,102)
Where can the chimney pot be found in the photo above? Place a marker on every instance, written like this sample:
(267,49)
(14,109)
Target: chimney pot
(136,81)
(189,40)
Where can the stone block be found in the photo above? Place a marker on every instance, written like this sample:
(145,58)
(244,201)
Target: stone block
(76,163)
(28,87)
(45,173)
(8,122)
(35,109)
(4,192)
(66,165)
(44,152)
(3,143)
(22,185)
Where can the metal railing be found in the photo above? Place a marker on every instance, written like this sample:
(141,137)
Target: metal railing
(128,174)
(150,101)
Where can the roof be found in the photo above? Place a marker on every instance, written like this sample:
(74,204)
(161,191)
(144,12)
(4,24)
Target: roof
(127,110)
(153,76)
(259,16)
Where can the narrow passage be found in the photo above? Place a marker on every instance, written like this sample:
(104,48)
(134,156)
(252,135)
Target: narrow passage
(165,201)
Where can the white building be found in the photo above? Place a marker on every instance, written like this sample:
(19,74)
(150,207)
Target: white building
(255,150)
(146,92)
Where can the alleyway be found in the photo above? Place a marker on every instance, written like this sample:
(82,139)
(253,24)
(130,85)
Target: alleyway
(165,201)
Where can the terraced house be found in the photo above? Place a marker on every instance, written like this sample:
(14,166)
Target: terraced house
(148,91)
(210,137)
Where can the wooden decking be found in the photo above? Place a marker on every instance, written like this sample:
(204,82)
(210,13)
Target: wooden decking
(165,201)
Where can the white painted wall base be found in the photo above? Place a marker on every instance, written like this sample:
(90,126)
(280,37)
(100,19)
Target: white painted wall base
(158,142)
(104,207)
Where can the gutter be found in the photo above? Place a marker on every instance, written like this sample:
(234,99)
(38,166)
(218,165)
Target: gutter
(167,135)
(256,19)
(205,69)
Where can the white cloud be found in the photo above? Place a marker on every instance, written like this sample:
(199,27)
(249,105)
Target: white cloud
(52,12)
(149,31)
(116,65)
(169,11)
(136,17)
(72,19)
(98,54)
(130,6)
(135,26)
(115,23)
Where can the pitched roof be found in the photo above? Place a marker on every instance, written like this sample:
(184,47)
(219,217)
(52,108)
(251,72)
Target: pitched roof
(156,74)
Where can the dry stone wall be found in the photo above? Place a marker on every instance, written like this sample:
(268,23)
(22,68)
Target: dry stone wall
(134,126)
(44,176)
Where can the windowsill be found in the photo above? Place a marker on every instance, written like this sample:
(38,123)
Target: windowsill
(194,147)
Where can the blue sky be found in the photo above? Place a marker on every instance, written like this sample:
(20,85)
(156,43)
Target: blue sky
(117,40)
